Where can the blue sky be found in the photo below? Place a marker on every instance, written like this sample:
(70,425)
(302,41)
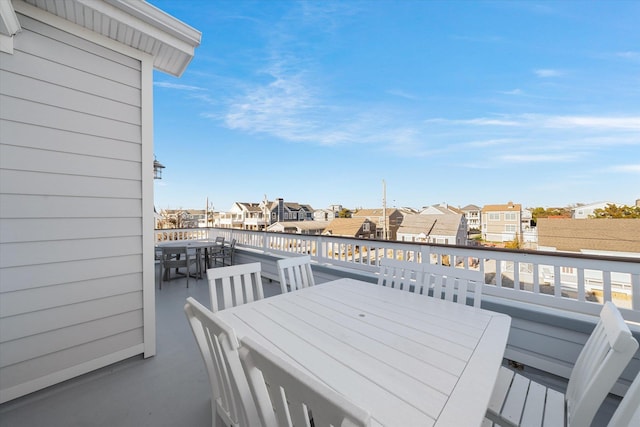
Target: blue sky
(459,102)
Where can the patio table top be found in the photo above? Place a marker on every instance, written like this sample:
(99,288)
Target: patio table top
(408,359)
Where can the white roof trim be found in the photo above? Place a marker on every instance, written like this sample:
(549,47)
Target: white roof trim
(134,23)
(9,24)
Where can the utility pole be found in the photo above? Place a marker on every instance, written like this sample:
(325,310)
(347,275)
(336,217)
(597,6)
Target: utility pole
(384,211)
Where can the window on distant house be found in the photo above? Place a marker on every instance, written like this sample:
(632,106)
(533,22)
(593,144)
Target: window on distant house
(510,228)
(493,216)
(510,216)
(365,227)
(567,270)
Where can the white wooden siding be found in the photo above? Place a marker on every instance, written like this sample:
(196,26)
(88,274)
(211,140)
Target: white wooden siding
(71,217)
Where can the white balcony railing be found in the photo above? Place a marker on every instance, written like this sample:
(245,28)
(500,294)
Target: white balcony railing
(573,282)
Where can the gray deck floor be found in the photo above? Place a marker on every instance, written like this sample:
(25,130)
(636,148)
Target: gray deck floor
(169,389)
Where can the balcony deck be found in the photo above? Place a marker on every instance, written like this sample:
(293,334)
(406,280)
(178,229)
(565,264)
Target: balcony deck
(168,389)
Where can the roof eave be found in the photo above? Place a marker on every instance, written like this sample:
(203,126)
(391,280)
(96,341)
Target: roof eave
(139,25)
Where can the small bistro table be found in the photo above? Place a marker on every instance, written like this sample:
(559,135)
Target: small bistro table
(408,359)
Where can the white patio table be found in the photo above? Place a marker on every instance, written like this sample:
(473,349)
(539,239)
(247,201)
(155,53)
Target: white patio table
(408,359)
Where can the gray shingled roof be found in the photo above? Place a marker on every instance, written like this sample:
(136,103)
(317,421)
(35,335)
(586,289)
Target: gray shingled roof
(444,224)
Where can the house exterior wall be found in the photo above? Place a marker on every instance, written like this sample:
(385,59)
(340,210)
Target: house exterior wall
(75,203)
(502,224)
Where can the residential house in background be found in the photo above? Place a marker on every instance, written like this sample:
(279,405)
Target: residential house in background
(473,215)
(610,237)
(392,222)
(243,215)
(585,211)
(279,211)
(362,228)
(447,229)
(595,236)
(440,209)
(502,223)
(183,218)
(328,214)
(299,227)
(76,183)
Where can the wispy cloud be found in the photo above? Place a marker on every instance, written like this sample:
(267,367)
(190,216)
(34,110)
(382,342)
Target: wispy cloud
(629,54)
(177,86)
(402,94)
(592,122)
(625,168)
(539,158)
(516,92)
(547,73)
(478,39)
(550,122)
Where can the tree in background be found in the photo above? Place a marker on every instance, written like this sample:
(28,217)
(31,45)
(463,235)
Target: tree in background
(614,211)
(540,212)
(344,213)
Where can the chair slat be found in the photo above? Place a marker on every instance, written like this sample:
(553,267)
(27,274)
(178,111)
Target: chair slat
(295,273)
(606,353)
(240,284)
(554,409)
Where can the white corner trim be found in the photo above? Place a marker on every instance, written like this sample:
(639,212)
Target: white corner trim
(9,24)
(6,44)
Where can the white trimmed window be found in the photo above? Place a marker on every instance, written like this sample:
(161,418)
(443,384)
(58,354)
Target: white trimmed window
(493,216)
(510,216)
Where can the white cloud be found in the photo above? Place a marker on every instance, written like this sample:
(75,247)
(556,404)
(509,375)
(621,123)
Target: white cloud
(177,86)
(402,94)
(513,92)
(593,122)
(536,158)
(547,72)
(626,168)
(629,54)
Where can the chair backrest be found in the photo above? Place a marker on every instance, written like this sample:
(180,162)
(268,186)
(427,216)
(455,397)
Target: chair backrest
(219,240)
(240,284)
(175,256)
(601,361)
(449,282)
(231,396)
(628,412)
(228,250)
(286,396)
(295,272)
(399,274)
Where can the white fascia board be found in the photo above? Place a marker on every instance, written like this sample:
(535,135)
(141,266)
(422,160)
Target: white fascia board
(9,24)
(159,19)
(162,31)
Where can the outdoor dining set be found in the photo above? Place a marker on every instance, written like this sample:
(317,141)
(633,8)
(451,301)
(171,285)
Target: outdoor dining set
(413,349)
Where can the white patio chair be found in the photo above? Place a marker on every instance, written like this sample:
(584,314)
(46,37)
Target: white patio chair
(399,274)
(285,396)
(453,284)
(516,400)
(628,412)
(230,394)
(240,284)
(295,273)
(176,257)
